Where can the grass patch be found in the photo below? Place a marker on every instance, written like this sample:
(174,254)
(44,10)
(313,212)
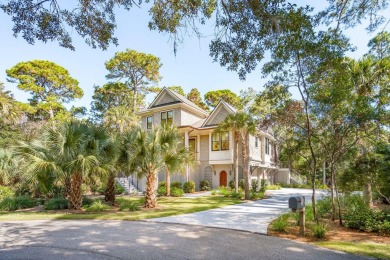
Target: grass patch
(167,206)
(377,250)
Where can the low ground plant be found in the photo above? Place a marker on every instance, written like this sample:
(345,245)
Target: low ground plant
(274,187)
(128,205)
(318,230)
(280,224)
(56,203)
(19,202)
(257,195)
(162,191)
(97,206)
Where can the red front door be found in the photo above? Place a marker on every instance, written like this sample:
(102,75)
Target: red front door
(223,179)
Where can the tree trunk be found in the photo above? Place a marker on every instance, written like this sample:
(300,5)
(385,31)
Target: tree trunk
(332,187)
(135,98)
(367,194)
(236,140)
(109,193)
(338,203)
(168,181)
(150,195)
(76,195)
(245,153)
(68,187)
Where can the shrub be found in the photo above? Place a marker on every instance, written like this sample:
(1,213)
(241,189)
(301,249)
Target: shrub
(257,195)
(225,191)
(127,205)
(97,206)
(119,189)
(241,184)
(309,214)
(162,191)
(87,201)
(162,184)
(280,223)
(19,202)
(56,203)
(254,184)
(189,187)
(214,192)
(176,184)
(176,192)
(232,184)
(5,192)
(324,206)
(318,230)
(204,185)
(237,195)
(274,187)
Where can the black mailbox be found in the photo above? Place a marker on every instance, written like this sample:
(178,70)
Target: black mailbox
(296,203)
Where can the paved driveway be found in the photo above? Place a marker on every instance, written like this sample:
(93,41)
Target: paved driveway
(91,239)
(252,216)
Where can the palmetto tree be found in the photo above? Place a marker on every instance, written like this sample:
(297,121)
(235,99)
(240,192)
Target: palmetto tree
(242,124)
(71,151)
(146,152)
(176,157)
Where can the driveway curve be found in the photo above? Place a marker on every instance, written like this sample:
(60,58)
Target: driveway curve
(94,239)
(254,216)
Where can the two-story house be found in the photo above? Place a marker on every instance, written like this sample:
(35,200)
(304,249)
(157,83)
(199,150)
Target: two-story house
(214,151)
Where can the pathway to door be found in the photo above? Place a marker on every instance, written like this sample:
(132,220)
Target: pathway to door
(254,216)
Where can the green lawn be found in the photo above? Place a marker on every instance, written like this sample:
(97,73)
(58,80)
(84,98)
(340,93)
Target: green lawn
(371,249)
(168,206)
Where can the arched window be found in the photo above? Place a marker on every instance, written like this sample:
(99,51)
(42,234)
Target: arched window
(208,175)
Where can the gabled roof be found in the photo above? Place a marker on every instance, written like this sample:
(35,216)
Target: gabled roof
(176,98)
(221,104)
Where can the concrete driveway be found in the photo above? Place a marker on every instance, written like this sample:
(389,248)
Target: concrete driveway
(252,216)
(94,239)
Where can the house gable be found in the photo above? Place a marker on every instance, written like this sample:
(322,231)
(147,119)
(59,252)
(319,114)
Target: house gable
(165,97)
(220,112)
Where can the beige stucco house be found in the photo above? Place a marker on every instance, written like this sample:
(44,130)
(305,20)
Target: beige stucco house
(214,151)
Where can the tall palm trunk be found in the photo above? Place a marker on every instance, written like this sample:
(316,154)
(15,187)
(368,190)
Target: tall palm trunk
(76,195)
(236,140)
(150,196)
(68,187)
(245,154)
(168,181)
(109,194)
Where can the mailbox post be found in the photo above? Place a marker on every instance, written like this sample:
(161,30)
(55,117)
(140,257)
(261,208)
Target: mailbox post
(298,203)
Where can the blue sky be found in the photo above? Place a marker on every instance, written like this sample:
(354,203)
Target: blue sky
(192,67)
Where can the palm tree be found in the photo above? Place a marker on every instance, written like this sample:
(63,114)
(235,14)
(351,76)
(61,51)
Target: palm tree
(176,157)
(9,108)
(145,152)
(242,124)
(71,151)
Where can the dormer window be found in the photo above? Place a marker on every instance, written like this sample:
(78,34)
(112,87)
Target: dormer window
(149,122)
(167,117)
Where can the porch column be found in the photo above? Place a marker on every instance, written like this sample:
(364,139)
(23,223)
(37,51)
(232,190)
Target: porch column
(198,147)
(258,179)
(186,145)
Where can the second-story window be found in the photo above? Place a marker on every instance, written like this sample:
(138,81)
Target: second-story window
(167,117)
(256,142)
(266,146)
(149,122)
(220,141)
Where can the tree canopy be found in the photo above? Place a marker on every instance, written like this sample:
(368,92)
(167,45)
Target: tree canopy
(213,97)
(136,70)
(49,84)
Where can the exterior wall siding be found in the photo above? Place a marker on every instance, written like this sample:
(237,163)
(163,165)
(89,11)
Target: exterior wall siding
(188,118)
